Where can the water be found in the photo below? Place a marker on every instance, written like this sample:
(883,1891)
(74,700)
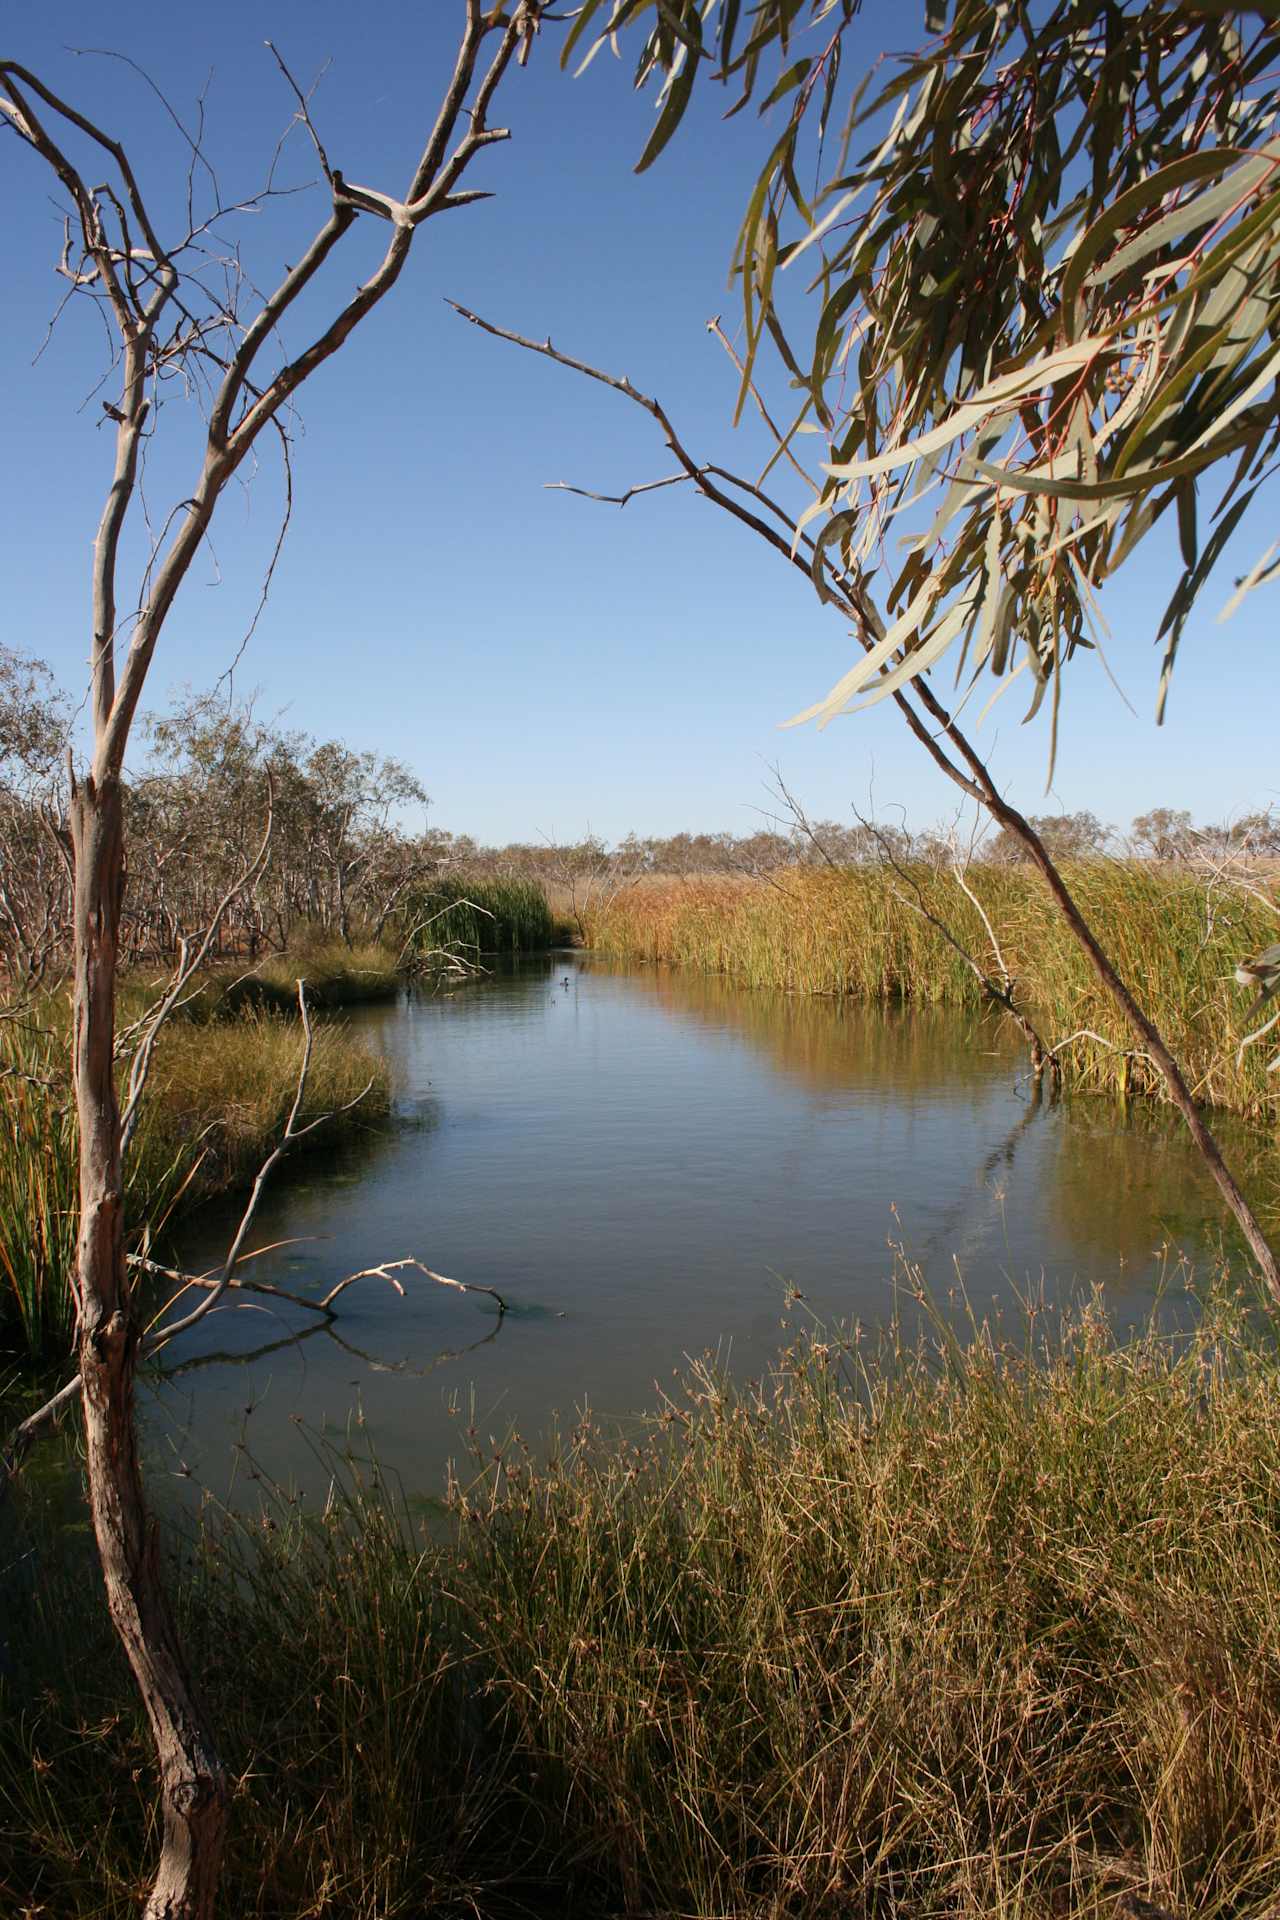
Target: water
(642,1163)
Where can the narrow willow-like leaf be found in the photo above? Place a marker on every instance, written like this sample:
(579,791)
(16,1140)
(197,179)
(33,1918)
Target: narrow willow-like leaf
(1256,573)
(1048,287)
(1201,209)
(671,115)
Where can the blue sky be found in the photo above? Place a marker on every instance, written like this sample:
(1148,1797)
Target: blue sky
(544,663)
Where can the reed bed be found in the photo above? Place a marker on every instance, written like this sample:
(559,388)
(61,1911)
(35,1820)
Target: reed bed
(219,1094)
(858,931)
(969,1628)
(470,917)
(38,1212)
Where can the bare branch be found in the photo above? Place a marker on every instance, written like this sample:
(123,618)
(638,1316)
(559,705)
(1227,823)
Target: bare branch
(162,1336)
(617,499)
(189,962)
(849,595)
(387,1270)
(303,113)
(33,1428)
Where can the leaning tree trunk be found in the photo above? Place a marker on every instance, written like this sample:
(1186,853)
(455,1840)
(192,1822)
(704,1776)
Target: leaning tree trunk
(192,1785)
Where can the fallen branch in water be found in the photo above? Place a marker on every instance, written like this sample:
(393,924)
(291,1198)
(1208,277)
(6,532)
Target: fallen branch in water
(388,1269)
(385,1270)
(46,1418)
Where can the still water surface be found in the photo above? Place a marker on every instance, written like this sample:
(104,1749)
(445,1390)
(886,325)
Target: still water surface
(642,1162)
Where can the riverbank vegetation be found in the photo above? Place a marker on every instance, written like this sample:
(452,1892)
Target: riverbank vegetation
(221,1086)
(865,930)
(982,1627)
(461,915)
(277,841)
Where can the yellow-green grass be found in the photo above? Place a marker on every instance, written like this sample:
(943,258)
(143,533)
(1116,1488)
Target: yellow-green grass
(335,975)
(973,1632)
(855,931)
(218,1096)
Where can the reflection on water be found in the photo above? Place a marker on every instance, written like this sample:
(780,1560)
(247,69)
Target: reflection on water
(641,1163)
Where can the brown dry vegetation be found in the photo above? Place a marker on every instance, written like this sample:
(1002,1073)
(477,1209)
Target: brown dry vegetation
(856,931)
(972,1630)
(220,1090)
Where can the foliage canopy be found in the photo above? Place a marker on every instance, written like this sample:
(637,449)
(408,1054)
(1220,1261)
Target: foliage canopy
(1045,250)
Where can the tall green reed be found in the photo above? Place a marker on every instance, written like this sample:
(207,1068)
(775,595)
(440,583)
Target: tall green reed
(38,1204)
(475,916)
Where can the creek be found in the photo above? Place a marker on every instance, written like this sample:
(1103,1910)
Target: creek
(644,1163)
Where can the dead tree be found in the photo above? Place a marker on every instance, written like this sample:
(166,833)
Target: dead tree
(177,306)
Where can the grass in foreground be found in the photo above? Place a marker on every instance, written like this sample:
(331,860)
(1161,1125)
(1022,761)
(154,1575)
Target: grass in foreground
(854,931)
(978,1631)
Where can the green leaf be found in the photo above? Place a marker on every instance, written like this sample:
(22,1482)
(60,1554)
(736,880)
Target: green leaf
(1187,592)
(1122,212)
(1185,492)
(672,113)
(1202,209)
(1139,481)
(786,83)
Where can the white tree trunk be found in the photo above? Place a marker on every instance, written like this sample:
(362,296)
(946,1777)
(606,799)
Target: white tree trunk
(193,1788)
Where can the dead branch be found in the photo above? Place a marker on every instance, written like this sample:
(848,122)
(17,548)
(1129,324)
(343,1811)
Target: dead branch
(159,1337)
(46,1418)
(387,1270)
(189,961)
(931,724)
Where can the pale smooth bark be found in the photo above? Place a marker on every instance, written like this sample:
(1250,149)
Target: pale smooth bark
(146,300)
(193,1787)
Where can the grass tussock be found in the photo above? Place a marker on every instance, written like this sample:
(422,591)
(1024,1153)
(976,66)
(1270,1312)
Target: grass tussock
(336,975)
(38,1211)
(218,1096)
(971,1631)
(855,931)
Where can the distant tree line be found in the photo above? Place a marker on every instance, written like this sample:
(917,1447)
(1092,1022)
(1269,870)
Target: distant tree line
(1163,834)
(283,829)
(345,857)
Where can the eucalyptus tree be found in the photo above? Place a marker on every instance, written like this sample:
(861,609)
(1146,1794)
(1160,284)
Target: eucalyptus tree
(1041,255)
(337,853)
(184,318)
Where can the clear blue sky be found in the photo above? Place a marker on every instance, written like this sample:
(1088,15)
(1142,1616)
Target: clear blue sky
(542,662)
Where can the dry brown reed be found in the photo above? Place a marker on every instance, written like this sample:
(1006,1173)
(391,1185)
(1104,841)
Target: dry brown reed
(856,931)
(985,1628)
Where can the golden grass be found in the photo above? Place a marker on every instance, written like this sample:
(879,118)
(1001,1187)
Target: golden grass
(984,1629)
(854,931)
(219,1093)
